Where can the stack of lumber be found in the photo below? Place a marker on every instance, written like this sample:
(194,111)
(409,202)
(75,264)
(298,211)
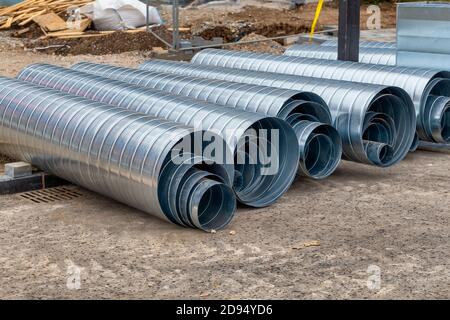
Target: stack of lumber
(25,12)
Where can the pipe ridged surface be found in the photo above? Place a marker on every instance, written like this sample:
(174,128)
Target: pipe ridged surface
(364,44)
(255,185)
(387,57)
(320,144)
(420,84)
(357,109)
(130,157)
(434,147)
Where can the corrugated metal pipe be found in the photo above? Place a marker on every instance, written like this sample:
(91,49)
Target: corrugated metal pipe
(364,44)
(265,148)
(421,84)
(133,158)
(369,118)
(434,147)
(320,144)
(387,57)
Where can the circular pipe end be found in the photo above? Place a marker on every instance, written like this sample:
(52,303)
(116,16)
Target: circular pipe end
(320,149)
(266,162)
(211,205)
(436,120)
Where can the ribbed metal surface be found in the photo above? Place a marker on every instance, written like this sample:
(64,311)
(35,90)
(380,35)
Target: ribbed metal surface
(253,186)
(130,157)
(434,147)
(320,144)
(351,104)
(419,83)
(385,57)
(364,44)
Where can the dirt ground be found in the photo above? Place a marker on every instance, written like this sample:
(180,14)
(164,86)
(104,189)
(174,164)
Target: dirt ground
(322,240)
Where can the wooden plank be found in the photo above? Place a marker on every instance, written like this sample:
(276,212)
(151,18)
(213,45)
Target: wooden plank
(31,17)
(50,22)
(7,24)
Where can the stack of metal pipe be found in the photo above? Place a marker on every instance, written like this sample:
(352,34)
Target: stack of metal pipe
(265,149)
(307,113)
(429,89)
(376,123)
(131,157)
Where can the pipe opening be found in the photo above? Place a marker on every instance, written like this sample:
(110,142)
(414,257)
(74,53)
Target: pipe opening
(181,184)
(214,210)
(323,152)
(379,153)
(437,119)
(266,162)
(320,146)
(389,128)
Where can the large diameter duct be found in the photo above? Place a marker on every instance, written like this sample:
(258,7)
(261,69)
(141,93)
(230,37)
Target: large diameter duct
(358,110)
(320,144)
(364,44)
(262,176)
(421,84)
(387,57)
(133,158)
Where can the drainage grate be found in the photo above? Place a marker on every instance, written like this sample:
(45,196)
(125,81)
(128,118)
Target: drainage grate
(51,195)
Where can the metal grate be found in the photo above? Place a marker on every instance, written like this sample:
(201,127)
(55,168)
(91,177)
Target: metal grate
(51,195)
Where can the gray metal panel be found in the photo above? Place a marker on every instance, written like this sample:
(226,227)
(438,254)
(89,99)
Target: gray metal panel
(423,27)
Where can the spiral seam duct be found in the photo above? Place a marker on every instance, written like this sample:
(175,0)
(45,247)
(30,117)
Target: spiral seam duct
(387,57)
(320,144)
(252,185)
(376,123)
(421,84)
(364,44)
(131,157)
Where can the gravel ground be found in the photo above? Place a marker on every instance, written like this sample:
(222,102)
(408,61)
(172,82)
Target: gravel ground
(322,240)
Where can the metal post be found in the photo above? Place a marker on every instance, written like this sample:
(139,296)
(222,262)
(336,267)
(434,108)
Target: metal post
(147,18)
(349,29)
(176,25)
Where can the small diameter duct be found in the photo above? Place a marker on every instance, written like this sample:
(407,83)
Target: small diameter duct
(133,158)
(265,148)
(376,123)
(421,84)
(308,114)
(364,44)
(385,57)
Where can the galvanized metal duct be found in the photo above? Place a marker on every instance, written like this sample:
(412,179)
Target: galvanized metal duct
(434,147)
(258,182)
(130,157)
(364,44)
(385,57)
(421,84)
(320,144)
(355,107)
